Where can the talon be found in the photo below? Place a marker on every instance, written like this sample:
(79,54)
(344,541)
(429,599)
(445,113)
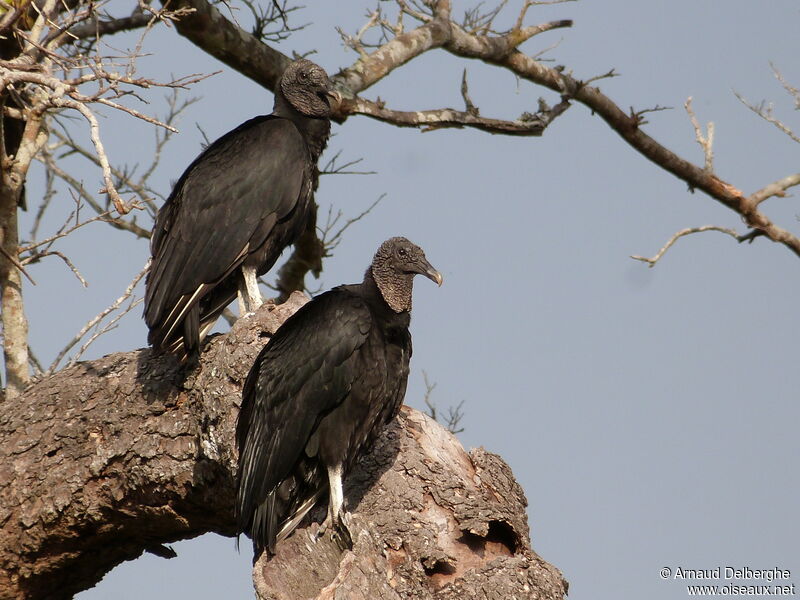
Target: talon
(323,528)
(341,533)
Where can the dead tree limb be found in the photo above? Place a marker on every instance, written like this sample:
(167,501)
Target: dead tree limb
(111,458)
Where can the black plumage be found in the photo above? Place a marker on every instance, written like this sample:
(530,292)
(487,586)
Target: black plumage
(234,210)
(319,393)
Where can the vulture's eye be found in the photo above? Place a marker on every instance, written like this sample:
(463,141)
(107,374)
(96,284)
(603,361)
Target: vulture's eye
(303,75)
(402,253)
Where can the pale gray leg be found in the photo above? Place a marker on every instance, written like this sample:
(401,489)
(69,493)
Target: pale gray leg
(337,518)
(249,294)
(337,497)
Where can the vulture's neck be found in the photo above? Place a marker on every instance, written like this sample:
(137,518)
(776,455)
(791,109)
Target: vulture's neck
(395,291)
(315,131)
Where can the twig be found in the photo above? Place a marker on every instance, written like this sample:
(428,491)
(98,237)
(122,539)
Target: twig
(793,91)
(329,242)
(776,188)
(112,324)
(16,263)
(38,370)
(356,42)
(429,387)
(39,255)
(706,142)
(78,188)
(471,108)
(454,414)
(94,129)
(607,75)
(652,261)
(63,233)
(420,15)
(331,168)
(137,114)
(95,320)
(637,116)
(764,111)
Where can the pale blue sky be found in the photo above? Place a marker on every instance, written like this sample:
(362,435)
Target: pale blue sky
(649,414)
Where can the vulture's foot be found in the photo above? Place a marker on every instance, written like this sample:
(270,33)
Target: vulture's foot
(340,530)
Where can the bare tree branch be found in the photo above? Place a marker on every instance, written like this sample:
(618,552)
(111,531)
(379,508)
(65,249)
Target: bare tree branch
(13,172)
(765,111)
(331,168)
(94,128)
(215,34)
(94,321)
(330,236)
(446,118)
(97,28)
(776,188)
(454,413)
(67,261)
(706,141)
(77,187)
(651,262)
(471,108)
(437,30)
(790,89)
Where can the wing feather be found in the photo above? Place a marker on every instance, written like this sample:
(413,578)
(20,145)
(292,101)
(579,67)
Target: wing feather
(227,200)
(303,373)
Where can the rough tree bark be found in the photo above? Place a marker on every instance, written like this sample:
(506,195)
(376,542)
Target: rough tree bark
(114,457)
(12,195)
(430,521)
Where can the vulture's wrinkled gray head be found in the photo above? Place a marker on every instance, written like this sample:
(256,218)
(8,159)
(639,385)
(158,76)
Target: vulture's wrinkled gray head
(393,269)
(308,90)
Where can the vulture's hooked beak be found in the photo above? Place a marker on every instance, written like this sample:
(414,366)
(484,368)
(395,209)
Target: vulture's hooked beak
(335,97)
(431,273)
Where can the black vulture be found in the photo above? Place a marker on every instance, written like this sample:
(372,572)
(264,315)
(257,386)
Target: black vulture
(320,392)
(233,211)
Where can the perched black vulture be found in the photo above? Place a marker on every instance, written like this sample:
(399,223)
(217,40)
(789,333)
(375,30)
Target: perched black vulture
(233,211)
(319,393)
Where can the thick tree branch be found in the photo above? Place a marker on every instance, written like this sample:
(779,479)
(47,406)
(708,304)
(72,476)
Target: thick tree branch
(439,31)
(446,118)
(306,257)
(15,323)
(119,455)
(211,31)
(628,128)
(367,71)
(208,29)
(124,454)
(13,171)
(97,27)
